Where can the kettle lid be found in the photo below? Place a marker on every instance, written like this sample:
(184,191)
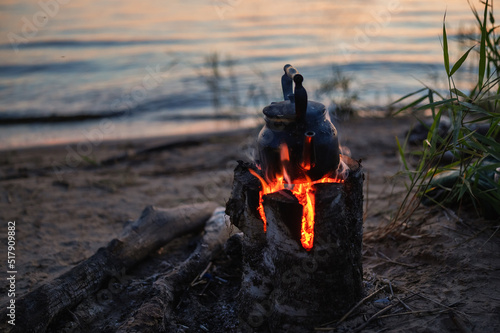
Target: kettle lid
(285,110)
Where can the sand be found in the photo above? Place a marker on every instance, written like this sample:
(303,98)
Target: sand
(65,209)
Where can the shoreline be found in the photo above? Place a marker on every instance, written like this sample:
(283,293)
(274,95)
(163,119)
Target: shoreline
(224,122)
(139,140)
(118,132)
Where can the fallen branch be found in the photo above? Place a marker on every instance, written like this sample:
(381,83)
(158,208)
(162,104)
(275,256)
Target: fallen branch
(152,230)
(156,315)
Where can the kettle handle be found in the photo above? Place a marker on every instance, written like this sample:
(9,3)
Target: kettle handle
(287,81)
(290,71)
(299,95)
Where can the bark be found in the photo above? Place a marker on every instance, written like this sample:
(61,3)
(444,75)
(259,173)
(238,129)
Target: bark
(302,289)
(155,227)
(256,279)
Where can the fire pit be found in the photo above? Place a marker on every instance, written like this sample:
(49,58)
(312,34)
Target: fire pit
(300,207)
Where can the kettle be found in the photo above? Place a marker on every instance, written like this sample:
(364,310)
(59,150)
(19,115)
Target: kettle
(298,141)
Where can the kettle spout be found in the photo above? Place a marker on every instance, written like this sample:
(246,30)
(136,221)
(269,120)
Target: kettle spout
(308,151)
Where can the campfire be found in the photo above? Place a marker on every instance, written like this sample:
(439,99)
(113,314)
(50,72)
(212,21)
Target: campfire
(304,192)
(300,209)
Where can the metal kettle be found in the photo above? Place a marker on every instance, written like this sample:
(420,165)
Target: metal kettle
(298,142)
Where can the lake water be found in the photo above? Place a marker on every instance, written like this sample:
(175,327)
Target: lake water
(175,67)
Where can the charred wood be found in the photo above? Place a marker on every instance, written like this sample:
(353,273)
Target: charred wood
(153,229)
(286,288)
(156,314)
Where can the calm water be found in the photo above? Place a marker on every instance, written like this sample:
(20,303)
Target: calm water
(149,61)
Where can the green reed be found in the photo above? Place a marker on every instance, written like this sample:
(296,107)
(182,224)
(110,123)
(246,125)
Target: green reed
(470,178)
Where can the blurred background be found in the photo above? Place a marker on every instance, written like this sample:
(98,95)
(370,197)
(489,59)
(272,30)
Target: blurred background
(138,69)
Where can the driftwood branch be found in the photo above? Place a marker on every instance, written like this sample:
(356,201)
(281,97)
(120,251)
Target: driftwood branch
(153,229)
(156,314)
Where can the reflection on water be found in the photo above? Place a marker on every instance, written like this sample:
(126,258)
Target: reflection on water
(149,59)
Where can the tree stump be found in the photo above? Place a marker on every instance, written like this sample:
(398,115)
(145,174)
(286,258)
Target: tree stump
(286,288)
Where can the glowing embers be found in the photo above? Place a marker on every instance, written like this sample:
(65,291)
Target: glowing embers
(304,192)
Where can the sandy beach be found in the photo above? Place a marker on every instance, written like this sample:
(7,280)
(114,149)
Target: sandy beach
(67,209)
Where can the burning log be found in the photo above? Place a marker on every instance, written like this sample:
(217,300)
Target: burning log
(301,210)
(256,277)
(291,282)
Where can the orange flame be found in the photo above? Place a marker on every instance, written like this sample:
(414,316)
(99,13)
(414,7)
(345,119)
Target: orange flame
(285,161)
(304,192)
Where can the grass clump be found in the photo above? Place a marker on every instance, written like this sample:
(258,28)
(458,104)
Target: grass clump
(462,167)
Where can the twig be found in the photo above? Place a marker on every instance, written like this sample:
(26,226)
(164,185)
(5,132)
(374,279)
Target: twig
(411,236)
(390,287)
(198,277)
(455,230)
(350,311)
(452,214)
(395,262)
(493,234)
(376,315)
(404,304)
(387,281)
(433,301)
(429,312)
(460,324)
(471,237)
